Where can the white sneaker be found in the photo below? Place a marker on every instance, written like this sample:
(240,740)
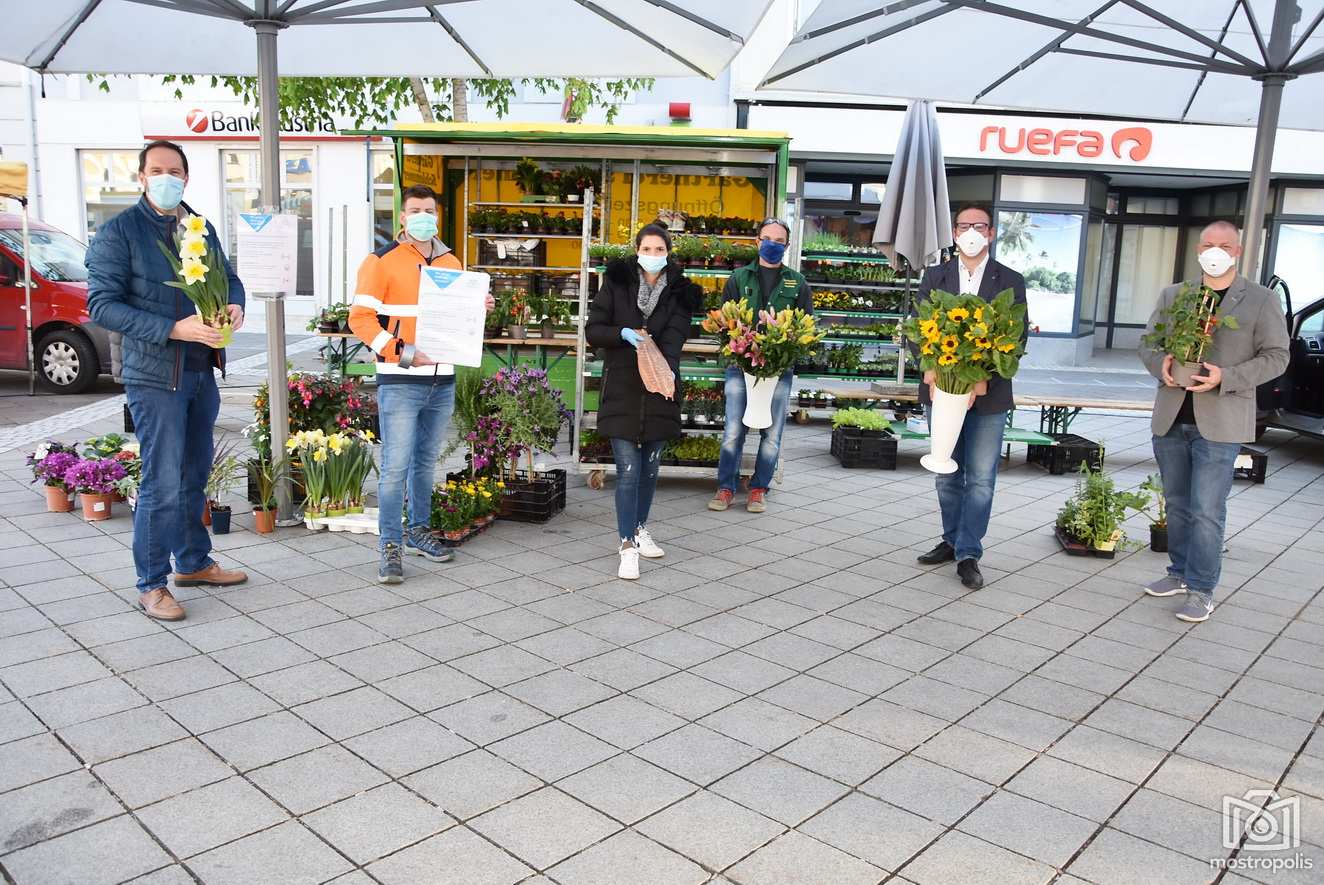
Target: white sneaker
(629,569)
(647,546)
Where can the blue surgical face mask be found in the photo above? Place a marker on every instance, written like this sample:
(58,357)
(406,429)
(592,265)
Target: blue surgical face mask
(165,191)
(772,252)
(652,263)
(421,226)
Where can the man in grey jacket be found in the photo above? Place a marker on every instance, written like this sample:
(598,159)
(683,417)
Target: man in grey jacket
(1198,430)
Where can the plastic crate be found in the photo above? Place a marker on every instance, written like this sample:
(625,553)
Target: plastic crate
(1251,465)
(1066,455)
(529,499)
(128,419)
(854,447)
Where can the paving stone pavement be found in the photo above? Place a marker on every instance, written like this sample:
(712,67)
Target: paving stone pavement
(785,698)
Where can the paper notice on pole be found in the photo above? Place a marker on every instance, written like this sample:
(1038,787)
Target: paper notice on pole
(452,310)
(268,248)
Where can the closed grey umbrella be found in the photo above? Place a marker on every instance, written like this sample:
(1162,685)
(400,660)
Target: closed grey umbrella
(915,219)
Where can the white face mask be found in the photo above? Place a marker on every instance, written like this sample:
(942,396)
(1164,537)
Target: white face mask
(1216,262)
(971,243)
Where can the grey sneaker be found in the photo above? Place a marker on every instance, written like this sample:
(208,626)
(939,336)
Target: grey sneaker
(1198,607)
(420,542)
(389,568)
(1168,585)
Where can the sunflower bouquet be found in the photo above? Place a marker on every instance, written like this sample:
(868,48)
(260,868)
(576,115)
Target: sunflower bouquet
(202,276)
(767,349)
(964,339)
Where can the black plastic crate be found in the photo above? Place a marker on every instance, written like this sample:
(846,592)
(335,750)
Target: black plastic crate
(1066,455)
(128,419)
(854,447)
(529,499)
(1259,466)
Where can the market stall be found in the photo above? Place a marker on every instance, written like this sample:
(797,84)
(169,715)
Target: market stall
(543,207)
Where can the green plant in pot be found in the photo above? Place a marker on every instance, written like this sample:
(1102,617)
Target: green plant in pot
(1186,328)
(223,479)
(269,474)
(1158,519)
(529,178)
(555,312)
(1092,517)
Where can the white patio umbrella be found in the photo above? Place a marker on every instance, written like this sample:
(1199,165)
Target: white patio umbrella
(1210,61)
(915,220)
(450,38)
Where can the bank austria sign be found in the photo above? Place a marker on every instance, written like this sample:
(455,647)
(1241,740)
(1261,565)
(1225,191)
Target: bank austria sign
(225,121)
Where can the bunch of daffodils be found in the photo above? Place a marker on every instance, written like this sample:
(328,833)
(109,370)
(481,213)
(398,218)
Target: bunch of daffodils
(335,466)
(201,273)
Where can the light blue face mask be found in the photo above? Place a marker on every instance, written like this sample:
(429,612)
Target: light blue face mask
(421,226)
(652,263)
(165,191)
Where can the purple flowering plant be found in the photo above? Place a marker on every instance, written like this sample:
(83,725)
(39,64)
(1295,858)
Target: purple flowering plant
(94,476)
(50,462)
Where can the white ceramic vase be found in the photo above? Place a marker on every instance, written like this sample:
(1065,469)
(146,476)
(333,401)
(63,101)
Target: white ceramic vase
(758,401)
(945,420)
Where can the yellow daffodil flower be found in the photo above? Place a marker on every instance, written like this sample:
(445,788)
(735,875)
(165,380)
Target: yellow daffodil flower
(193,271)
(192,247)
(319,455)
(195,224)
(947,359)
(957,314)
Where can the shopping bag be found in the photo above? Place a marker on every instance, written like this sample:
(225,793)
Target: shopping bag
(653,368)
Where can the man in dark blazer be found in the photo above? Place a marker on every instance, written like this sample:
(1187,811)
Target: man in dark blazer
(966,496)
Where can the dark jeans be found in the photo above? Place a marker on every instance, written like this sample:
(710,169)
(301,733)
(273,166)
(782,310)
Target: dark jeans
(413,418)
(636,480)
(733,434)
(1197,477)
(174,430)
(966,496)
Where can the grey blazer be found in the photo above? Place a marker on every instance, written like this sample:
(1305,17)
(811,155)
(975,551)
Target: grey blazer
(1253,353)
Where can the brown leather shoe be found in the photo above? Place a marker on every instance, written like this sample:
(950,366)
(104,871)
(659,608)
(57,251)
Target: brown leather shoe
(161,605)
(212,576)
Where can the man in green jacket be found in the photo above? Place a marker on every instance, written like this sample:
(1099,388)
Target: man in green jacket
(766,284)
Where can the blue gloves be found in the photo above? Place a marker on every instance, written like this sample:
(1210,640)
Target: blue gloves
(630,336)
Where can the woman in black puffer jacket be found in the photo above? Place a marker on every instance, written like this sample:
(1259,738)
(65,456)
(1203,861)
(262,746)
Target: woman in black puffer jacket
(643,295)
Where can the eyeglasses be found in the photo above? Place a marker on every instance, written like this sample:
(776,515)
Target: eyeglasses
(978,227)
(777,221)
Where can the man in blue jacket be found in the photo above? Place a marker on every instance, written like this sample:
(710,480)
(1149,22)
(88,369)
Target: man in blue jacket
(169,358)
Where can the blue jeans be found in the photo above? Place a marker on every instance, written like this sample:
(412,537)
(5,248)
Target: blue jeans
(1197,476)
(636,480)
(733,435)
(966,496)
(413,419)
(174,429)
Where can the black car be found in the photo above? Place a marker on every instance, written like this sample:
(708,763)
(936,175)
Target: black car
(1295,401)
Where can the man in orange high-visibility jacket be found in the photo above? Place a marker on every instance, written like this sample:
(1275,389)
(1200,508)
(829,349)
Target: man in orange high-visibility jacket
(415,395)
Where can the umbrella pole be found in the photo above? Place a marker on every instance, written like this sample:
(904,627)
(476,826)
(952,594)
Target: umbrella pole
(27,299)
(1266,131)
(277,381)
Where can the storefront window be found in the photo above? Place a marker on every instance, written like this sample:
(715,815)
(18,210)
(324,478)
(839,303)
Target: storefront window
(1303,201)
(1300,255)
(240,172)
(110,185)
(1094,256)
(383,198)
(1151,205)
(829,190)
(1045,248)
(1145,269)
(872,193)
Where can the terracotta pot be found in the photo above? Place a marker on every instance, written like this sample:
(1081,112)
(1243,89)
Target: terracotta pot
(96,507)
(455,535)
(264,521)
(206,513)
(58,500)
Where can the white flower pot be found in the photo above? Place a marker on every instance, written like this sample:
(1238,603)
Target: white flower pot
(758,401)
(945,420)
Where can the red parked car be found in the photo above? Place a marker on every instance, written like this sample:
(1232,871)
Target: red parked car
(71,350)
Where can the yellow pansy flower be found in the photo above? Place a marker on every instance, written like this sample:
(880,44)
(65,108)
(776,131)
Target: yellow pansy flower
(193,271)
(195,224)
(957,314)
(947,359)
(192,247)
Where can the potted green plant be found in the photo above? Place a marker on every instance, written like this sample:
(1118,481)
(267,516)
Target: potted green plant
(269,474)
(1185,329)
(514,306)
(555,312)
(1090,522)
(1158,522)
(529,178)
(223,478)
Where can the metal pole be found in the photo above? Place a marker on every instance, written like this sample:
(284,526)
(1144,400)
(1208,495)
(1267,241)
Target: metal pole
(581,357)
(1271,101)
(344,251)
(277,383)
(27,298)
